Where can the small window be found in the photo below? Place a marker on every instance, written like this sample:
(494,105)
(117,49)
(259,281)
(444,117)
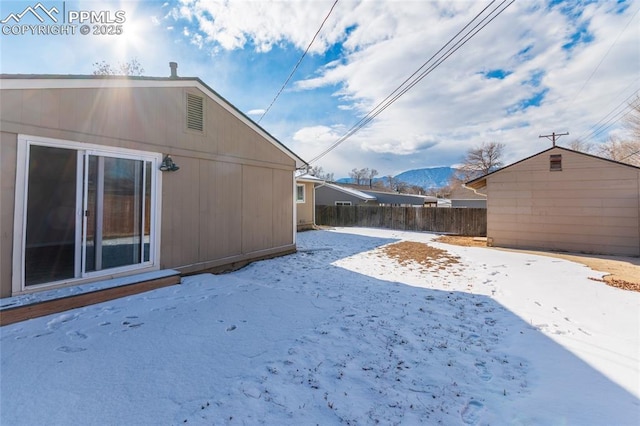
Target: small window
(300,194)
(195,112)
(555,162)
(343,203)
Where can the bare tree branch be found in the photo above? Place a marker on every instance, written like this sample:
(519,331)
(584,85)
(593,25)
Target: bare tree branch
(624,151)
(481,160)
(132,67)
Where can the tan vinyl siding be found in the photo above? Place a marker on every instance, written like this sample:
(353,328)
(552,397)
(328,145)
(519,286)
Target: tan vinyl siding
(305,211)
(231,200)
(220,202)
(592,205)
(257,209)
(180,211)
(149,119)
(283,202)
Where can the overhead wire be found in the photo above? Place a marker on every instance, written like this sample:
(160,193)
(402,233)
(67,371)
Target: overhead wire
(630,155)
(424,70)
(400,90)
(295,68)
(602,59)
(616,114)
(600,126)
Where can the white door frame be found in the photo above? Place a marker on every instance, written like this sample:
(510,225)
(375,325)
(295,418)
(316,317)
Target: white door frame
(84,151)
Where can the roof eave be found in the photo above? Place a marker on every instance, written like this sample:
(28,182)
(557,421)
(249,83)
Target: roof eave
(477,184)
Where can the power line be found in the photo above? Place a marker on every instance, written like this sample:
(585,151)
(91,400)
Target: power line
(299,62)
(422,72)
(615,115)
(606,126)
(599,127)
(630,155)
(399,91)
(602,59)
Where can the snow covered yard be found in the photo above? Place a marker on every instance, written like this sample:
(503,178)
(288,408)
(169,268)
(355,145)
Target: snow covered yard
(340,333)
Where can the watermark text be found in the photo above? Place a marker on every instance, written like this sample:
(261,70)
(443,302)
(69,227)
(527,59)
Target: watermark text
(55,19)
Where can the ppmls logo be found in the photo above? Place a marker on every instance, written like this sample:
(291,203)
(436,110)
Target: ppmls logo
(42,20)
(50,13)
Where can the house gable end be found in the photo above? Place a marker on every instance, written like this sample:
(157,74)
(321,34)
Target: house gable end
(190,84)
(480,182)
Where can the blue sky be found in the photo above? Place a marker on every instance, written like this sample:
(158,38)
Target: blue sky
(539,67)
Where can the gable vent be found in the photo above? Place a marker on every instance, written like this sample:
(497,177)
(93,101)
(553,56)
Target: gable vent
(195,112)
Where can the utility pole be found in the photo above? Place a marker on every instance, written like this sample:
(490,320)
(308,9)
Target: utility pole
(553,136)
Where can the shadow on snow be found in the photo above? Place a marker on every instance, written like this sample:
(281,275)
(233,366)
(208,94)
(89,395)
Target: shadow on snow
(297,340)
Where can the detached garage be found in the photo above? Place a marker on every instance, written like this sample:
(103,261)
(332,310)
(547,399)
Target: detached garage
(565,200)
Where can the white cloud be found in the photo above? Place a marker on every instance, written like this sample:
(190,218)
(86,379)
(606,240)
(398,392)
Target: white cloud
(316,136)
(258,111)
(456,106)
(264,23)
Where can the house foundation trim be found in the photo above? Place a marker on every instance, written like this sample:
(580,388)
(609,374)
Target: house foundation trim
(19,308)
(232,263)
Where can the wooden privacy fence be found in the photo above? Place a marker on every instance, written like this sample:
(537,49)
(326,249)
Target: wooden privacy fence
(458,221)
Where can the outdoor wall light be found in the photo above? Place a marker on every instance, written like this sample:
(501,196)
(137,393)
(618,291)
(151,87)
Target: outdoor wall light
(168,165)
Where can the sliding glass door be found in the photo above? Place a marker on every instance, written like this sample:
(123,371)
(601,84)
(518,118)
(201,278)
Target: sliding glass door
(116,212)
(86,212)
(51,238)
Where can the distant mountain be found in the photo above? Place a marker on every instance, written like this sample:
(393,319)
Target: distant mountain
(432,177)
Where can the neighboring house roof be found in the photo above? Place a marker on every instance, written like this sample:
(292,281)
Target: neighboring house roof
(381,196)
(375,190)
(55,81)
(400,198)
(309,178)
(351,191)
(481,181)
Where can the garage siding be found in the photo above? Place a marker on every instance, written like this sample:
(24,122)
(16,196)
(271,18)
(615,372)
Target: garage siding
(592,205)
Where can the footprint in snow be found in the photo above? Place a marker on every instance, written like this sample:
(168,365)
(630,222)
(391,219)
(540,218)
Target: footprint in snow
(490,321)
(130,325)
(76,335)
(231,328)
(70,349)
(483,371)
(540,327)
(59,320)
(474,339)
(472,412)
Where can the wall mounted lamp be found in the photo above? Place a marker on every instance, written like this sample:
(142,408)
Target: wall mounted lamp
(168,165)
